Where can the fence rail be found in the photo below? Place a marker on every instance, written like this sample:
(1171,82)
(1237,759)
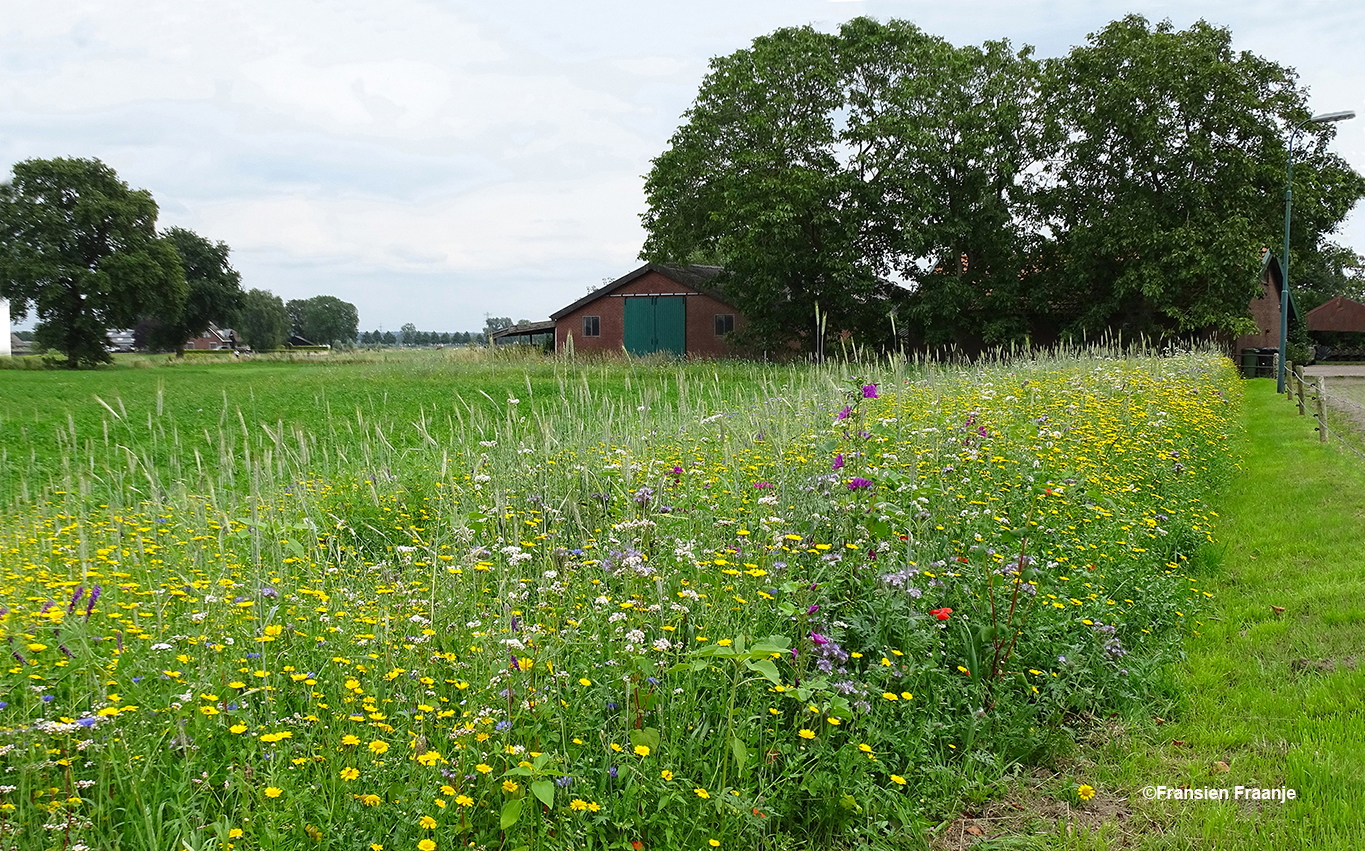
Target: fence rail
(1296,389)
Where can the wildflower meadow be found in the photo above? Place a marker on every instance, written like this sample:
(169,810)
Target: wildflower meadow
(628,607)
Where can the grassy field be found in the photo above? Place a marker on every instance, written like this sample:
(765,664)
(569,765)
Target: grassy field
(452,600)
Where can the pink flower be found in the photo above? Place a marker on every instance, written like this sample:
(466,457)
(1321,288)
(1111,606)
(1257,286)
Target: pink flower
(869,391)
(838,460)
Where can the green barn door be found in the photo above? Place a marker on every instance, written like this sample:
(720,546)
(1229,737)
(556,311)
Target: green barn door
(670,325)
(639,333)
(655,324)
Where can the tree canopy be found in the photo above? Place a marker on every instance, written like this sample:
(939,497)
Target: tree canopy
(1128,185)
(80,249)
(214,291)
(262,320)
(325,320)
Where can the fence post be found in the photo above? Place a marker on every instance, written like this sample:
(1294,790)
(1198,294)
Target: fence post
(1289,382)
(1322,409)
(1298,381)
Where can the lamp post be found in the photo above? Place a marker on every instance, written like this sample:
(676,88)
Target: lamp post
(1324,118)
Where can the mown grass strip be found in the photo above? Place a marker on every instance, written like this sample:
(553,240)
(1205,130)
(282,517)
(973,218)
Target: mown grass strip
(1275,681)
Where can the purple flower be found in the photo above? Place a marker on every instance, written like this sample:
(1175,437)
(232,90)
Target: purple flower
(858,483)
(612,772)
(845,411)
(818,639)
(90,607)
(813,609)
(47,698)
(838,461)
(75,598)
(869,391)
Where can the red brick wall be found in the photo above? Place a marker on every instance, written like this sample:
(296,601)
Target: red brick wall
(1265,312)
(701,311)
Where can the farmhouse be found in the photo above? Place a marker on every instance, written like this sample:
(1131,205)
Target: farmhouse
(1337,314)
(656,308)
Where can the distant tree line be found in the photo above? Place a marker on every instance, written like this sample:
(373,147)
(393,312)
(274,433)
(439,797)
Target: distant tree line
(978,196)
(80,249)
(410,336)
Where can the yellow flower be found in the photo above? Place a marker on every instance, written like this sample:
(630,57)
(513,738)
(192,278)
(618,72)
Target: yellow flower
(426,845)
(378,747)
(429,757)
(701,793)
(865,748)
(464,801)
(890,695)
(370,800)
(235,833)
(348,739)
(447,790)
(594,807)
(510,786)
(349,773)
(237,728)
(483,769)
(584,681)
(427,822)
(1086,792)
(642,750)
(807,734)
(209,710)
(834,721)
(898,780)
(714,843)
(273,791)
(666,774)
(578,805)
(905,695)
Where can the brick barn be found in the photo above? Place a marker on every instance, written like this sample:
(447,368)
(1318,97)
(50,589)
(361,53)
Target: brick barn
(656,308)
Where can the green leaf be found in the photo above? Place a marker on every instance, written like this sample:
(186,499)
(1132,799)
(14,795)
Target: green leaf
(649,737)
(511,812)
(740,753)
(767,669)
(544,791)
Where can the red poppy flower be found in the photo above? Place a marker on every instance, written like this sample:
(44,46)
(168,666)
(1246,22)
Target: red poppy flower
(636,844)
(941,614)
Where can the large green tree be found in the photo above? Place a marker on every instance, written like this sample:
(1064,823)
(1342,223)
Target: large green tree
(215,291)
(325,320)
(1169,178)
(262,320)
(814,165)
(80,249)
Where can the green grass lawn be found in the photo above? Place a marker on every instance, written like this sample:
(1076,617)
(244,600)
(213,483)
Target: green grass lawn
(1273,693)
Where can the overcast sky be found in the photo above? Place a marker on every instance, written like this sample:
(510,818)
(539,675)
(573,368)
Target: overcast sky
(435,161)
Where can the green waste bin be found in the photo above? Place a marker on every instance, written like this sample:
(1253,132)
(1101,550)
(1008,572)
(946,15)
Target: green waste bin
(1249,358)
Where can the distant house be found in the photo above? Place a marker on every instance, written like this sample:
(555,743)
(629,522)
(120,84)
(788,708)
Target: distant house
(656,308)
(214,338)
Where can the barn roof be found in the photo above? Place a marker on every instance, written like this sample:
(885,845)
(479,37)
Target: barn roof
(695,277)
(1337,314)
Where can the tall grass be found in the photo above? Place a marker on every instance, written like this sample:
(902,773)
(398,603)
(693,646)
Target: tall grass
(547,603)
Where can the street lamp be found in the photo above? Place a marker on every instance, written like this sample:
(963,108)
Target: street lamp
(1324,118)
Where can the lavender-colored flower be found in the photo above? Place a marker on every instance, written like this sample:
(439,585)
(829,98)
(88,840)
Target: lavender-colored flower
(75,598)
(869,391)
(270,592)
(94,596)
(612,772)
(47,698)
(643,496)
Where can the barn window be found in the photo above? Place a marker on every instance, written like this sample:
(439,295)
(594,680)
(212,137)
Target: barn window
(592,326)
(725,323)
